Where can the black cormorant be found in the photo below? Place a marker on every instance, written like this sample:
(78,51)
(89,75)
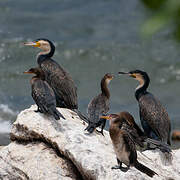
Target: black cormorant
(60,81)
(43,94)
(154,118)
(99,106)
(124,146)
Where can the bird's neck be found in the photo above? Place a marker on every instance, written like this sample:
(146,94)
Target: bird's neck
(114,132)
(141,89)
(104,88)
(39,76)
(33,79)
(41,58)
(48,53)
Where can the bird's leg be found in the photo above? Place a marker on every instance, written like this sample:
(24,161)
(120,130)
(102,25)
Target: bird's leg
(103,123)
(38,110)
(119,166)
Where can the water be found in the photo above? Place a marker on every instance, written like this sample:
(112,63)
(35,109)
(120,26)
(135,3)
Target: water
(91,38)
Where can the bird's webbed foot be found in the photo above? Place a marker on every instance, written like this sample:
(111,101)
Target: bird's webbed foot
(119,166)
(124,169)
(38,110)
(101,131)
(116,167)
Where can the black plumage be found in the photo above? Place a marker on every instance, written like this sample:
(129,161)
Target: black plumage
(59,80)
(99,106)
(43,94)
(154,118)
(124,146)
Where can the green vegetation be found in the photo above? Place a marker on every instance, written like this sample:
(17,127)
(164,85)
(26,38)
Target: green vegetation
(164,13)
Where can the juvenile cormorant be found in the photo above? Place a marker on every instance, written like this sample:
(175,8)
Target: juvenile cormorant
(137,135)
(43,94)
(154,118)
(99,106)
(59,80)
(124,146)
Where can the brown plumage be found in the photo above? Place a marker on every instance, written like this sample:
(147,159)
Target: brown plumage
(43,94)
(124,146)
(99,105)
(137,135)
(130,126)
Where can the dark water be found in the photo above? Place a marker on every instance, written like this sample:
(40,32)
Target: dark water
(92,38)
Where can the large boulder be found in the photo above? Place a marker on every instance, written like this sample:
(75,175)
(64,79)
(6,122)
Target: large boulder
(92,155)
(34,160)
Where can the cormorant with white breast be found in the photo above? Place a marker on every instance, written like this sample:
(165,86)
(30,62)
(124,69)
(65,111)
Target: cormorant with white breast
(99,106)
(60,80)
(154,118)
(43,94)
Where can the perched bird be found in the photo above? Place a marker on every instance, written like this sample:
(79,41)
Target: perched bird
(99,106)
(59,80)
(137,135)
(154,118)
(124,146)
(43,94)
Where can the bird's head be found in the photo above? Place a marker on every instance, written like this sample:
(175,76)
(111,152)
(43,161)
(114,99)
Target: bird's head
(115,119)
(44,44)
(37,71)
(140,76)
(108,77)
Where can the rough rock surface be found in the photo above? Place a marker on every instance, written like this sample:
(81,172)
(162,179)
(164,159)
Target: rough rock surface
(93,154)
(34,161)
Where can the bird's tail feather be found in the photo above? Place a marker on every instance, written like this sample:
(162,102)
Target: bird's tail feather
(144,169)
(167,158)
(57,115)
(160,145)
(81,115)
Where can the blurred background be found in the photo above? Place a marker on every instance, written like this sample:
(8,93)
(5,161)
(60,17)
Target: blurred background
(92,38)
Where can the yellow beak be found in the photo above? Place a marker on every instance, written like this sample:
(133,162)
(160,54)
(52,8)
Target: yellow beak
(28,72)
(34,44)
(133,75)
(106,117)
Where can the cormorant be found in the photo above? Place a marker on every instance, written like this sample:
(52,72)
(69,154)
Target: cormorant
(154,118)
(43,94)
(124,146)
(59,80)
(99,106)
(138,136)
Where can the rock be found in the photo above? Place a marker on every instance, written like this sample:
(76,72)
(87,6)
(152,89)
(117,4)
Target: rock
(34,161)
(176,135)
(93,154)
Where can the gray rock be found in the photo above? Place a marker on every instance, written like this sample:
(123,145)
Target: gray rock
(93,154)
(35,161)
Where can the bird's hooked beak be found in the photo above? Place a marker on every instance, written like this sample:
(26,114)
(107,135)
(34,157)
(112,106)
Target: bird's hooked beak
(106,117)
(34,44)
(28,72)
(130,74)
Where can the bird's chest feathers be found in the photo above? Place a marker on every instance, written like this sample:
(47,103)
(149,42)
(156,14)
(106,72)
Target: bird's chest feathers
(120,150)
